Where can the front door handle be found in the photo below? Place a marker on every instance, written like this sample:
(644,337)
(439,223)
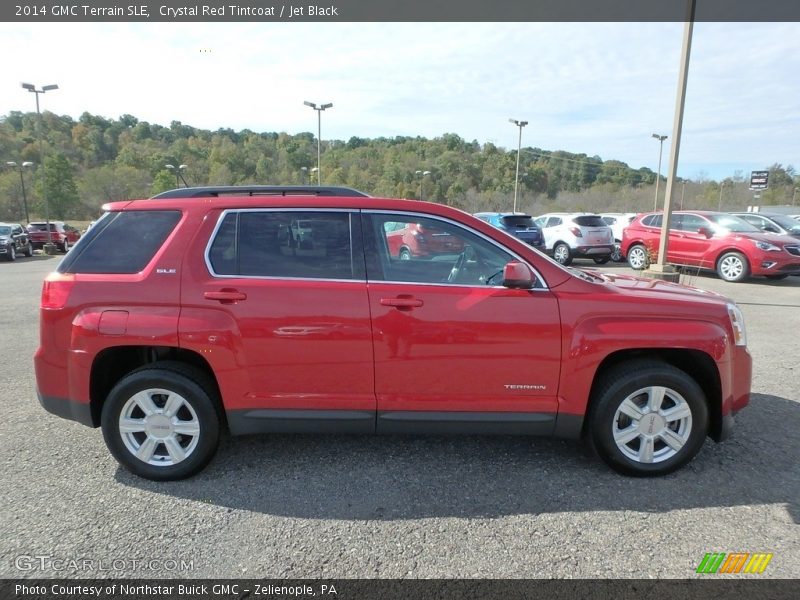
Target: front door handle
(226,296)
(402,302)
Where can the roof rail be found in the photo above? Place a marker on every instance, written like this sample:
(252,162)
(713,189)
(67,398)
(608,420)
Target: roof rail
(257,190)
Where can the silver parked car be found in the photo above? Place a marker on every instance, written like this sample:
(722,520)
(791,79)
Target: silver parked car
(576,235)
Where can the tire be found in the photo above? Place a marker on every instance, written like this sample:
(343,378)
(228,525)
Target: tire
(12,253)
(627,425)
(562,254)
(405,254)
(601,260)
(178,395)
(777,277)
(29,250)
(733,267)
(65,246)
(616,253)
(637,257)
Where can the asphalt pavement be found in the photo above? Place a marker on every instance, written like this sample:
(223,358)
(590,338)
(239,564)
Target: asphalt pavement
(326,506)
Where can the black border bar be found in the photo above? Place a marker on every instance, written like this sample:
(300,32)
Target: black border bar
(272,11)
(702,588)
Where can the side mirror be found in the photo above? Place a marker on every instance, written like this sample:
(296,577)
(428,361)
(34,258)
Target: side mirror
(517,275)
(770,229)
(705,231)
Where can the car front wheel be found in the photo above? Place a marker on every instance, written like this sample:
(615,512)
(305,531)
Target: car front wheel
(733,267)
(648,418)
(161,422)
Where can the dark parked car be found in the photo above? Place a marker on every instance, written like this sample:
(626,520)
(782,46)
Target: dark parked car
(772,223)
(519,225)
(14,241)
(61,234)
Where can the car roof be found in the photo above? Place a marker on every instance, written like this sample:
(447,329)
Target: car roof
(258,190)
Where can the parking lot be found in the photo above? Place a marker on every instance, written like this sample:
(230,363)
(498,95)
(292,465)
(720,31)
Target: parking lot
(400,506)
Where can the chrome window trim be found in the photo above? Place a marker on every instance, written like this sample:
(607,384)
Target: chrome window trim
(464,227)
(227,211)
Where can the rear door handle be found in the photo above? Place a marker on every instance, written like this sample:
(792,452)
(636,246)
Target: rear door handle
(226,296)
(402,303)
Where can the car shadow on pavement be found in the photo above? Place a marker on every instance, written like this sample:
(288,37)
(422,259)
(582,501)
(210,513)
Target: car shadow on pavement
(412,477)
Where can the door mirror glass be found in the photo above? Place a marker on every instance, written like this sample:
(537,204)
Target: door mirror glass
(770,229)
(517,275)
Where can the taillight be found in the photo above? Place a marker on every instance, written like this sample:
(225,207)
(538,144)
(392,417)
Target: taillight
(56,289)
(576,231)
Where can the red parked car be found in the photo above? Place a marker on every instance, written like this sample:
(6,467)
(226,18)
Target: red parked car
(174,318)
(61,234)
(712,241)
(408,240)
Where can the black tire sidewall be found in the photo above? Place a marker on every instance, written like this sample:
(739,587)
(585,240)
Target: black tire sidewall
(193,393)
(620,387)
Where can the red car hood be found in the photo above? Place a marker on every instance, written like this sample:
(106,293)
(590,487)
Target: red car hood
(647,285)
(770,238)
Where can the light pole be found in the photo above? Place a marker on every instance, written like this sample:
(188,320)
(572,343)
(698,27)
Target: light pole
(304,175)
(178,174)
(319,110)
(49,247)
(660,139)
(719,204)
(519,124)
(683,194)
(794,195)
(20,167)
(421,177)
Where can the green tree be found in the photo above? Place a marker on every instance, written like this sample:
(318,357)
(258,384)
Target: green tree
(58,186)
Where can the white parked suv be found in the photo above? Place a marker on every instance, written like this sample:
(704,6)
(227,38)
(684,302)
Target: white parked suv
(576,235)
(617,222)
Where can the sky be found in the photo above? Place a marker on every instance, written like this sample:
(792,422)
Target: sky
(595,88)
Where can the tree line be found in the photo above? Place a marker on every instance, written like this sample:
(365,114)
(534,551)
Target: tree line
(94,160)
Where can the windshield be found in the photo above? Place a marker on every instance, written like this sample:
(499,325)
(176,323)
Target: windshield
(787,223)
(589,221)
(5,230)
(731,223)
(518,221)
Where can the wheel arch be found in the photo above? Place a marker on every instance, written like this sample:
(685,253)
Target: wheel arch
(112,364)
(699,365)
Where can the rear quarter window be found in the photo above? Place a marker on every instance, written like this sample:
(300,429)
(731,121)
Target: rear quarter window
(518,221)
(121,242)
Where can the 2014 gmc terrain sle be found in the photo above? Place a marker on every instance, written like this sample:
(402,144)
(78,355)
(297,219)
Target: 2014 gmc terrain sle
(270,309)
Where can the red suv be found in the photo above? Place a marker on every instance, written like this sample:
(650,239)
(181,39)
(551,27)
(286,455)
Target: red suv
(177,317)
(407,240)
(715,241)
(61,234)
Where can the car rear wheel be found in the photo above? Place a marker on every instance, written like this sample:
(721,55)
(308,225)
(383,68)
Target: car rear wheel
(637,257)
(562,254)
(29,250)
(65,246)
(161,421)
(601,260)
(648,418)
(616,253)
(405,254)
(733,267)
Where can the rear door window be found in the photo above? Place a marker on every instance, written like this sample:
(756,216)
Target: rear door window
(121,242)
(287,244)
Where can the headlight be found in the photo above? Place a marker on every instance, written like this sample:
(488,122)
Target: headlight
(766,246)
(737,323)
